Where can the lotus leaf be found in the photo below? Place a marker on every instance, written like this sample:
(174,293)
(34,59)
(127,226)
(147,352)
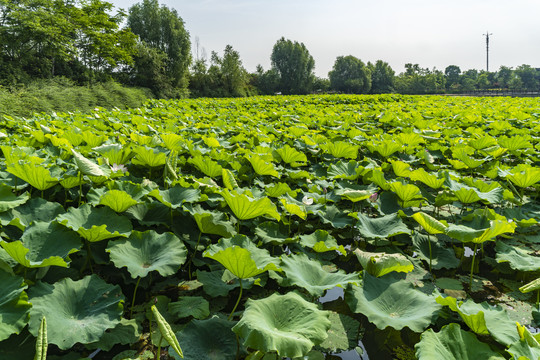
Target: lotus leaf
(210,339)
(262,167)
(44,244)
(382,227)
(272,232)
(176,196)
(527,347)
(8,200)
(278,189)
(36,175)
(321,241)
(335,217)
(149,157)
(115,153)
(350,170)
(437,253)
(86,166)
(343,333)
(147,251)
(310,275)
(241,257)
(245,207)
(117,200)
(518,258)
(294,209)
(124,333)
(292,156)
(390,301)
(187,306)
(341,149)
(87,307)
(524,176)
(408,194)
(228,179)
(14,305)
(287,324)
(453,343)
(211,222)
(95,224)
(429,179)
(221,282)
(207,166)
(430,224)
(379,264)
(36,209)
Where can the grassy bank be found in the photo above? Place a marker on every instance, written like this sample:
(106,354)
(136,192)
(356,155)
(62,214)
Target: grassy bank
(61,95)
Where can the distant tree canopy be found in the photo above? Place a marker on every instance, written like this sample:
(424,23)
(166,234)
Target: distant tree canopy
(350,75)
(382,77)
(294,65)
(169,55)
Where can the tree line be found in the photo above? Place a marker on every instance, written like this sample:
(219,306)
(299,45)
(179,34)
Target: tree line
(88,41)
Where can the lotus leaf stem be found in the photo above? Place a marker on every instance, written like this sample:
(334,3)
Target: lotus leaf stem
(159,348)
(237,301)
(429,245)
(193,255)
(472,266)
(133,300)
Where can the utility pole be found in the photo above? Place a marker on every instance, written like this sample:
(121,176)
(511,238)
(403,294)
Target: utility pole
(487,50)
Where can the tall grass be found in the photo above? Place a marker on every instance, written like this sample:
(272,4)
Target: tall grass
(62,95)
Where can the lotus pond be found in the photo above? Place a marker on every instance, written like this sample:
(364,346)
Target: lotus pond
(215,229)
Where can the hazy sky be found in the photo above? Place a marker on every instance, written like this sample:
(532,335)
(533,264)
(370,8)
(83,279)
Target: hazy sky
(432,33)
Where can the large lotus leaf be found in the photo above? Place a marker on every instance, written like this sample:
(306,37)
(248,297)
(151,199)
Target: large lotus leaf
(524,177)
(390,301)
(245,208)
(287,324)
(385,148)
(310,275)
(341,149)
(176,196)
(207,166)
(273,233)
(115,153)
(261,167)
(440,254)
(430,224)
(96,224)
(210,339)
(148,251)
(125,332)
(14,305)
(87,307)
(294,209)
(527,346)
(278,189)
(335,217)
(36,175)
(452,343)
(430,180)
(357,193)
(148,214)
(44,244)
(321,241)
(8,200)
(211,222)
(221,282)
(86,166)
(484,319)
(242,257)
(36,209)
(382,227)
(292,156)
(408,194)
(345,170)
(379,264)
(186,306)
(518,258)
(117,200)
(343,333)
(149,157)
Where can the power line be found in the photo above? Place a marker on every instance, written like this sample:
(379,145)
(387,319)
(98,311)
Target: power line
(487,50)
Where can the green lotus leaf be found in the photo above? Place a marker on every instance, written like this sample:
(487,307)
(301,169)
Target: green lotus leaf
(149,157)
(379,264)
(36,209)
(278,189)
(341,149)
(467,194)
(385,148)
(309,274)
(483,142)
(287,324)
(210,339)
(442,256)
(390,301)
(514,143)
(357,193)
(206,165)
(429,179)
(8,200)
(527,347)
(262,167)
(211,222)
(87,307)
(117,200)
(480,232)
(149,214)
(44,244)
(273,233)
(241,257)
(382,227)
(86,166)
(463,233)
(292,156)
(452,343)
(518,258)
(14,305)
(115,153)
(221,282)
(430,224)
(531,286)
(36,175)
(245,207)
(321,241)
(187,306)
(350,170)
(408,194)
(176,196)
(335,217)
(125,332)
(342,334)
(96,224)
(523,177)
(294,209)
(464,156)
(484,319)
(228,179)
(148,251)
(401,169)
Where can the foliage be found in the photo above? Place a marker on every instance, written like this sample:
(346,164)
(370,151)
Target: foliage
(294,65)
(350,75)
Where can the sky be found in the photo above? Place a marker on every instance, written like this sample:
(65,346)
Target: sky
(433,34)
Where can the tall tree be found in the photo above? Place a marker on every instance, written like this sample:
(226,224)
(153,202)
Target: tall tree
(350,75)
(295,66)
(452,73)
(163,29)
(504,75)
(382,77)
(528,76)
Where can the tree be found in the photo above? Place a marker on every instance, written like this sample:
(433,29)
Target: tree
(504,75)
(382,77)
(350,75)
(452,73)
(163,29)
(528,76)
(266,82)
(294,65)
